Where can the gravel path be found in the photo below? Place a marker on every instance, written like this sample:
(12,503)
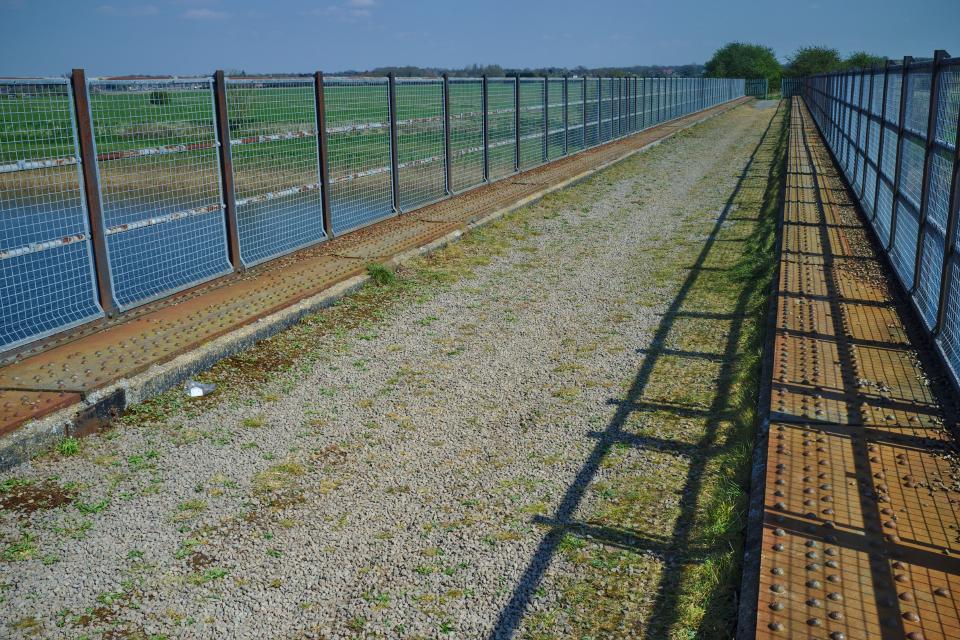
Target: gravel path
(392,488)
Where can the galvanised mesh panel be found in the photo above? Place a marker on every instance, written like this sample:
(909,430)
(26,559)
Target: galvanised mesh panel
(502,131)
(358,147)
(911,169)
(273,143)
(869,190)
(420,143)
(575,96)
(616,108)
(466,132)
(532,130)
(555,118)
(873,147)
(904,251)
(938,189)
(876,95)
(894,84)
(160,185)
(888,165)
(918,101)
(884,211)
(950,332)
(931,265)
(593,111)
(948,102)
(606,108)
(46,267)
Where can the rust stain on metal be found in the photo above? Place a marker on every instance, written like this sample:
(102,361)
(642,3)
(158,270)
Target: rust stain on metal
(96,355)
(862,493)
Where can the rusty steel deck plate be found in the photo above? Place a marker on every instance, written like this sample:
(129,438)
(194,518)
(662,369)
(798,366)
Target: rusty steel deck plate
(861,526)
(60,371)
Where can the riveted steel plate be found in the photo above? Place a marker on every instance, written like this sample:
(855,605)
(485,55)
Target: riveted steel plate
(861,525)
(21,406)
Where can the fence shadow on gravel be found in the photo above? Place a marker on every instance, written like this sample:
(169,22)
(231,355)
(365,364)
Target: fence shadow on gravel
(665,610)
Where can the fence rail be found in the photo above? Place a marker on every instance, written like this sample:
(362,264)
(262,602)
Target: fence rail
(894,131)
(117,192)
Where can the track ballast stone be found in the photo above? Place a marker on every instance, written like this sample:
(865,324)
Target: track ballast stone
(399,485)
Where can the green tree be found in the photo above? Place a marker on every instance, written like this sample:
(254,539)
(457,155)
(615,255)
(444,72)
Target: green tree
(860,59)
(742,60)
(809,61)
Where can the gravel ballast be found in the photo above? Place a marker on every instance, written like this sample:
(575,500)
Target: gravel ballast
(399,484)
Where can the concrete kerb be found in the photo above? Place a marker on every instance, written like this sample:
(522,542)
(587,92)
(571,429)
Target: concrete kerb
(38,436)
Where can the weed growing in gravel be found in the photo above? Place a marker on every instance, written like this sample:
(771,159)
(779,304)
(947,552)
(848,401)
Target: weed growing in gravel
(68,447)
(254,422)
(381,275)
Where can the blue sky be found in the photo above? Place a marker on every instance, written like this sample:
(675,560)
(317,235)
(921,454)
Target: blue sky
(46,37)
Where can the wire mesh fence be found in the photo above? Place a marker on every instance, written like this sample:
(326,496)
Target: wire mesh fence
(156,149)
(532,125)
(893,131)
(466,132)
(358,145)
(193,178)
(420,144)
(501,124)
(46,268)
(276,175)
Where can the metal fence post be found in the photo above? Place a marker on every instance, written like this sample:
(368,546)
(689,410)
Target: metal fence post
(91,191)
(324,158)
(394,153)
(226,168)
(486,129)
(953,228)
(907,60)
(546,119)
(516,121)
(447,163)
(883,135)
(936,67)
(566,115)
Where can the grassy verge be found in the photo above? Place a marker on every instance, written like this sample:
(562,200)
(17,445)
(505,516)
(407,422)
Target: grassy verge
(660,548)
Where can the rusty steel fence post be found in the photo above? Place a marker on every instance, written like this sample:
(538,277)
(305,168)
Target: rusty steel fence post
(394,152)
(907,61)
(323,156)
(951,237)
(880,140)
(91,191)
(936,67)
(516,122)
(226,169)
(484,99)
(447,163)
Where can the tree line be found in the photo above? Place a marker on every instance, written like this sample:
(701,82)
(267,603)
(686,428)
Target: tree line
(743,60)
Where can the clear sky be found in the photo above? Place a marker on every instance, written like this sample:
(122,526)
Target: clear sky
(113,37)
